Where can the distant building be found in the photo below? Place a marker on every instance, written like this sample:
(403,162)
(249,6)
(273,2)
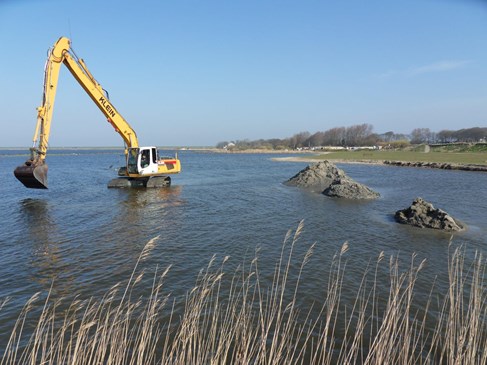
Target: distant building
(370,148)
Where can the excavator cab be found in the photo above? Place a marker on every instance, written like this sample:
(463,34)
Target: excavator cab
(148,161)
(33,172)
(145,169)
(142,161)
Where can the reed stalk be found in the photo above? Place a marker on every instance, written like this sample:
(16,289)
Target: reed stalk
(240,318)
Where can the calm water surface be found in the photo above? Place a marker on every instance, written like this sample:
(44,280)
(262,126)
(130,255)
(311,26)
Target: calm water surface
(79,237)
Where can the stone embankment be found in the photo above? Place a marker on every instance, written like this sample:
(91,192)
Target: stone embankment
(324,177)
(438,165)
(424,215)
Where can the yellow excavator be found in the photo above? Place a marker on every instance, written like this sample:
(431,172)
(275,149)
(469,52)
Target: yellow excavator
(143,168)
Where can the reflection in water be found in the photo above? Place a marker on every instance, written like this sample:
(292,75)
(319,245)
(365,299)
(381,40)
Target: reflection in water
(153,199)
(40,228)
(47,262)
(151,209)
(36,210)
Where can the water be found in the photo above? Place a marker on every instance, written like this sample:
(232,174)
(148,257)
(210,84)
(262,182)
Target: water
(80,238)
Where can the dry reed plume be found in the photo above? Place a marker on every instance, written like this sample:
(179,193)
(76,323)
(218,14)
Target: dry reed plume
(241,319)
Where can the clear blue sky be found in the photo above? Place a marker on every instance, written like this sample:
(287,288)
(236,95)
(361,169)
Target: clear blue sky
(199,72)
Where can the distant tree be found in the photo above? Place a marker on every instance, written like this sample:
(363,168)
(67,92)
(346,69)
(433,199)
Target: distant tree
(334,137)
(401,137)
(462,135)
(277,143)
(371,140)
(417,136)
(243,144)
(433,137)
(352,135)
(421,135)
(391,137)
(361,135)
(316,139)
(471,134)
(357,135)
(446,136)
(298,139)
(388,136)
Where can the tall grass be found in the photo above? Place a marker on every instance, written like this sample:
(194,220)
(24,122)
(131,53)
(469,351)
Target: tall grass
(241,318)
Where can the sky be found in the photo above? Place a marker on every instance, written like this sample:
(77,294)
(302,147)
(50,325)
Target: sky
(196,73)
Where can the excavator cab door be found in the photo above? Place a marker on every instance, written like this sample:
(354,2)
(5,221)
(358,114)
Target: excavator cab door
(132,160)
(147,161)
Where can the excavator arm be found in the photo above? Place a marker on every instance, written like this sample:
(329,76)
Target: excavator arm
(62,54)
(97,94)
(33,173)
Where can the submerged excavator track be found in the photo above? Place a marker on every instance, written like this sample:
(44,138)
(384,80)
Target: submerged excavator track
(148,182)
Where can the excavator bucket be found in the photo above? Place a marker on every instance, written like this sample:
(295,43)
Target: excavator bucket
(32,174)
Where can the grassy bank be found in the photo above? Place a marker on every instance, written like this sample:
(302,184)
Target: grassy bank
(240,318)
(461,154)
(464,158)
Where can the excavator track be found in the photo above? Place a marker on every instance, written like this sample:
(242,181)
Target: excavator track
(147,182)
(33,175)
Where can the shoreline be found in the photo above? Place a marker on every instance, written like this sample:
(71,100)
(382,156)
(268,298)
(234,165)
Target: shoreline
(418,164)
(309,158)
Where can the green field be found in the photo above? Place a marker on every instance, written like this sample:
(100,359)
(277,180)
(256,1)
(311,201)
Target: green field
(477,158)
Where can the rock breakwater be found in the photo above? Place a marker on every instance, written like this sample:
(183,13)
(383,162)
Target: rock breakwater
(438,165)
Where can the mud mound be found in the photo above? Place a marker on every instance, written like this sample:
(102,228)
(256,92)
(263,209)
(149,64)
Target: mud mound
(324,177)
(349,189)
(318,176)
(424,215)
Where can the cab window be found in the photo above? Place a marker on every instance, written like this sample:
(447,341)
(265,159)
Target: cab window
(145,158)
(132,161)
